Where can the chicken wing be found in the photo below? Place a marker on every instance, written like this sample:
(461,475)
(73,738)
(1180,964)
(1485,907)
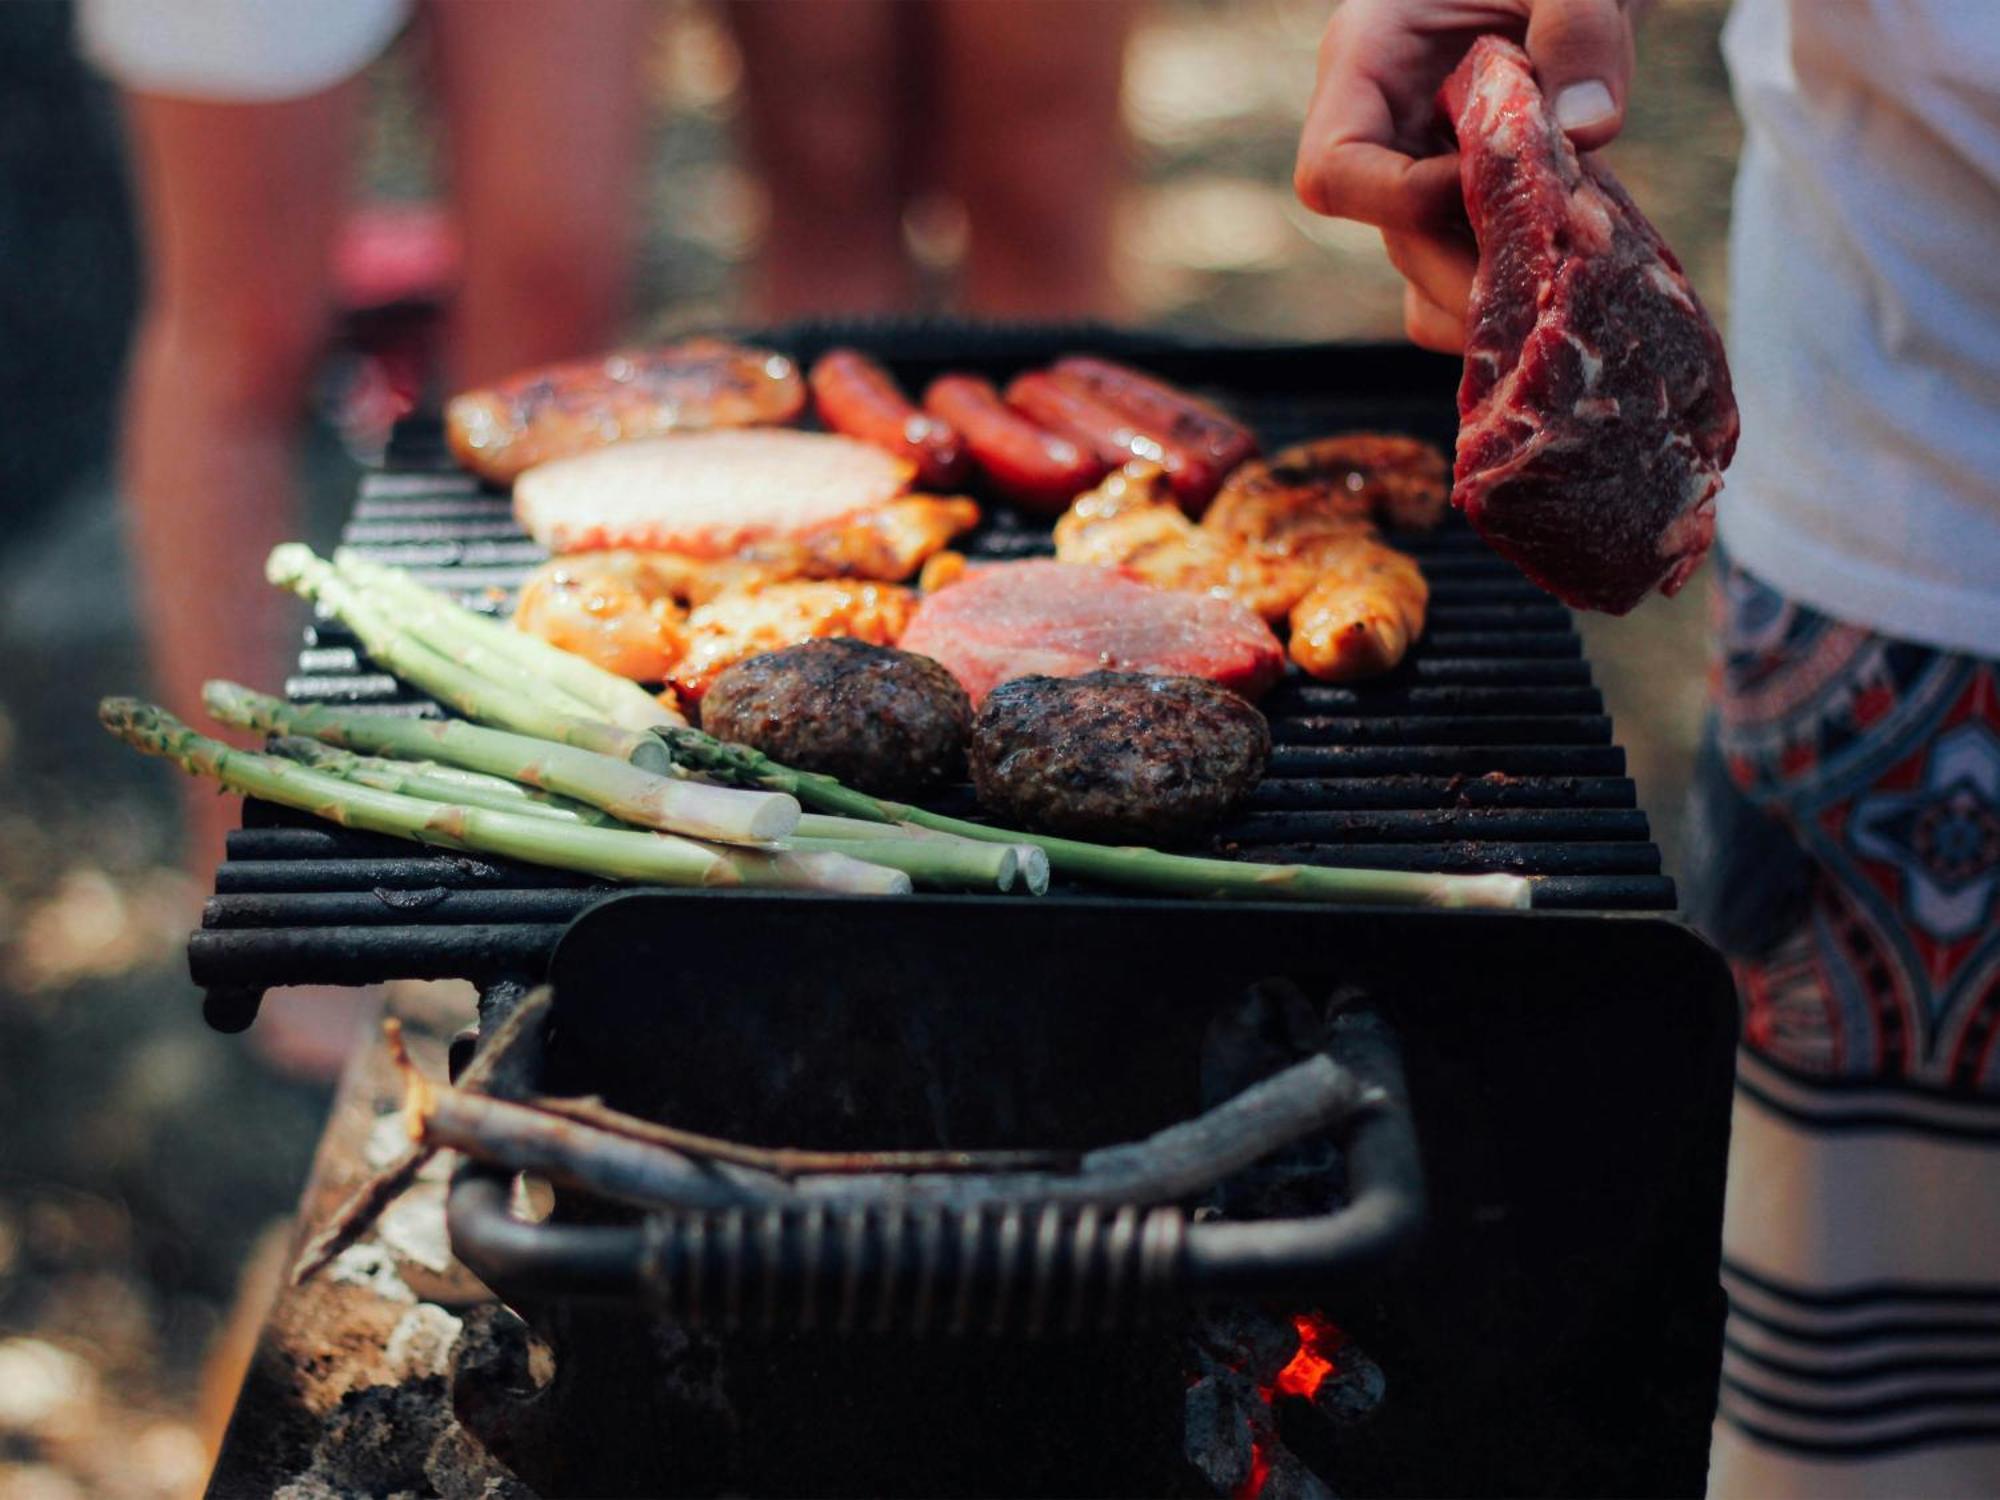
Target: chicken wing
(1287,502)
(612,608)
(1362,614)
(1132,521)
(748,621)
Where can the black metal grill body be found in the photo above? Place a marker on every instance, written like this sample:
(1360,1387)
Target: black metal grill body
(1488,748)
(1556,1330)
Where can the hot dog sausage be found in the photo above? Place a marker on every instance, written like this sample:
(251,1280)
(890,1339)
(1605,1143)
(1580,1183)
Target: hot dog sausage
(1211,441)
(855,396)
(1116,436)
(1038,469)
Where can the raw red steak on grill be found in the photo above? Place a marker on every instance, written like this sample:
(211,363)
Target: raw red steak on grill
(1595,416)
(1054,619)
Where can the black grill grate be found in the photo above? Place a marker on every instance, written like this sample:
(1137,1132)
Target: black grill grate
(1488,749)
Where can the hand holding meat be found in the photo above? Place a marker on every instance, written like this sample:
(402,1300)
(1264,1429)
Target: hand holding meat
(1368,150)
(1596,414)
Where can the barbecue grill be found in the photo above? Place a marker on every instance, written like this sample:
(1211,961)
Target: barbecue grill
(1563,1074)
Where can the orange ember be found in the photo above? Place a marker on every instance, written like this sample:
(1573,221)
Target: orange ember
(1260,1470)
(1318,1340)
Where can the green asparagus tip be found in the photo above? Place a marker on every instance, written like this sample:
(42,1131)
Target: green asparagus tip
(288,561)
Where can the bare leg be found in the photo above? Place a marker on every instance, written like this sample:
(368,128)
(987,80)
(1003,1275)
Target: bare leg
(1035,148)
(821,83)
(546,120)
(239,204)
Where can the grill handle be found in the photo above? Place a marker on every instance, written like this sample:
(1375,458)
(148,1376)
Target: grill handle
(1029,1269)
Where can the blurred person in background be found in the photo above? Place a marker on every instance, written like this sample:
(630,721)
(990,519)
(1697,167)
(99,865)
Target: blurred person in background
(1848,806)
(243,117)
(861,112)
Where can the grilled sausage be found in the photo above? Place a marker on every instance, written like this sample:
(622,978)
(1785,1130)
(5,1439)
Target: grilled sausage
(1115,436)
(1210,441)
(1119,756)
(883,720)
(856,396)
(561,410)
(1036,468)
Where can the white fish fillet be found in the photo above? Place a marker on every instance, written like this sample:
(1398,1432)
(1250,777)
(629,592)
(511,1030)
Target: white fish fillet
(707,494)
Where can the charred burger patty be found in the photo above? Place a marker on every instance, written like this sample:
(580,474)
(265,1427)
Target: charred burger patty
(1118,756)
(886,721)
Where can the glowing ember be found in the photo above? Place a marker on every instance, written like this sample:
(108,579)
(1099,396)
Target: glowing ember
(1318,1341)
(1260,1470)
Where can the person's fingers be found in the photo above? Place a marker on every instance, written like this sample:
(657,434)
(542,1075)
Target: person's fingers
(1430,326)
(1348,179)
(1440,267)
(1349,165)
(1582,51)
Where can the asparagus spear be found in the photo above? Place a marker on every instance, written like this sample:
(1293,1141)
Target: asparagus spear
(626,792)
(934,861)
(456,674)
(1138,868)
(436,783)
(614,698)
(615,854)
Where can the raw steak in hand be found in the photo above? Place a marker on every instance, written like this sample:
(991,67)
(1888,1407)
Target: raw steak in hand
(1595,416)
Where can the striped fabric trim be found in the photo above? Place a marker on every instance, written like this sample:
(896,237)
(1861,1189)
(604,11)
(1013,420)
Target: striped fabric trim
(1860,1370)
(1833,1104)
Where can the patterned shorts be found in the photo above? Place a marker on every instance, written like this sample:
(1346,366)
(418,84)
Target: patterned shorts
(1847,841)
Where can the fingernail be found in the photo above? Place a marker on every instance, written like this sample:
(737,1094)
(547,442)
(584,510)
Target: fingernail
(1582,105)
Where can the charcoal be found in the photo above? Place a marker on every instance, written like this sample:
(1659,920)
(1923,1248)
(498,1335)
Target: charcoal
(378,1439)
(1226,1420)
(1289,1479)
(1351,1394)
(1246,1339)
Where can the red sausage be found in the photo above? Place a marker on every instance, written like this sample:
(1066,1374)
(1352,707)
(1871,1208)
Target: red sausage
(856,396)
(1080,415)
(1212,441)
(1037,469)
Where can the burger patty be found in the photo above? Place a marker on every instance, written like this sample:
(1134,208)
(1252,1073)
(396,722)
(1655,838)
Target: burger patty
(879,719)
(1123,757)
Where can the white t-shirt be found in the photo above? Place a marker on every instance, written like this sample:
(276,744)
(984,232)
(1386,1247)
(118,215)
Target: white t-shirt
(1865,312)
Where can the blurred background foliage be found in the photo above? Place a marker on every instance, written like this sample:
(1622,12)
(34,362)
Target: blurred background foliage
(140,1157)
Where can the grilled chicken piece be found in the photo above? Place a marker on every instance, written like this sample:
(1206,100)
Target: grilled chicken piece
(1284,502)
(613,608)
(1355,604)
(887,544)
(571,408)
(1362,614)
(749,621)
(1132,521)
(708,494)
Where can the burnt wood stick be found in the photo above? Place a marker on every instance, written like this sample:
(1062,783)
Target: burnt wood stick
(502,1065)
(1175,1163)
(791,1161)
(587,1158)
